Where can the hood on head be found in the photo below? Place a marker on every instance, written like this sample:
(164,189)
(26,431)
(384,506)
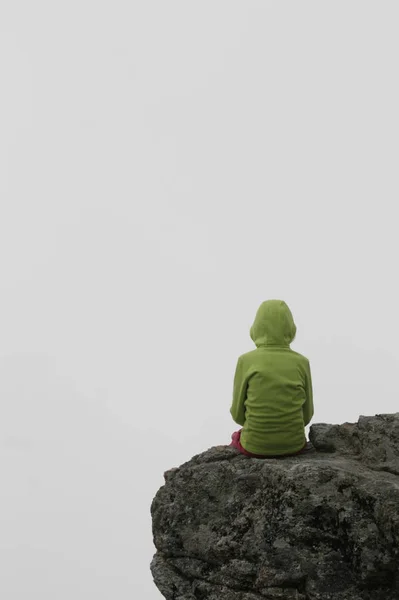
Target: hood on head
(273,325)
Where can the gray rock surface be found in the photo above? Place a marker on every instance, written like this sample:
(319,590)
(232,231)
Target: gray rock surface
(320,526)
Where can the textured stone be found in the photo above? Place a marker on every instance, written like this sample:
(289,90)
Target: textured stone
(320,526)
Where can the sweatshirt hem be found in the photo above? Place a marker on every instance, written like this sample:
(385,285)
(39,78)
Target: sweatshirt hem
(273,451)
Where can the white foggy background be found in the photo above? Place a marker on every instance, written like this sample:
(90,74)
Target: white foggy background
(166,167)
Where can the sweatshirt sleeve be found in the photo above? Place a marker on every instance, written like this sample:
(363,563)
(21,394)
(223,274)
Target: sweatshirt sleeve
(237,409)
(308,408)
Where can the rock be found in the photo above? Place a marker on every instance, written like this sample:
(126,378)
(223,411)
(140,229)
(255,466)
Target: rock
(320,526)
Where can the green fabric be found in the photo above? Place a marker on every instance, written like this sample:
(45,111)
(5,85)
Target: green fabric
(272,396)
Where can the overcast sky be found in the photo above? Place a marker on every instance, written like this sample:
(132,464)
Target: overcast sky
(164,168)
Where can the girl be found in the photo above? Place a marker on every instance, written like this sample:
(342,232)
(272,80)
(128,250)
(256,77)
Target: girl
(272,396)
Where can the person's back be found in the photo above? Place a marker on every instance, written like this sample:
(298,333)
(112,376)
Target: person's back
(272,397)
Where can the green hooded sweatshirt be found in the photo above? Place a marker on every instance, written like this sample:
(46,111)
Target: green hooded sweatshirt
(272,397)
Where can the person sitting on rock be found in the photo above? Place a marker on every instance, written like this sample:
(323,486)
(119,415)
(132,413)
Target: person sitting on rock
(272,393)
